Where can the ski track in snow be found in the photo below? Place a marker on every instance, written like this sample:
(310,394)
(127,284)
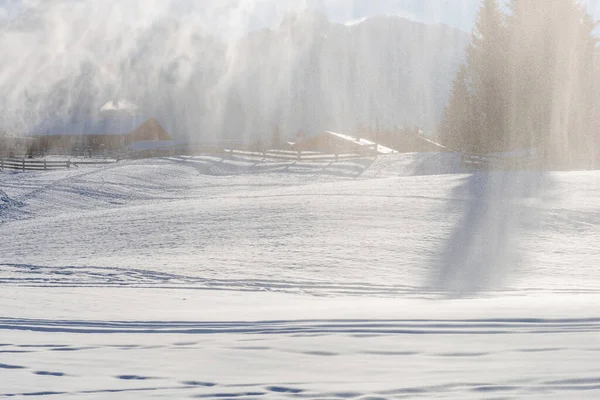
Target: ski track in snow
(307,343)
(241,277)
(42,276)
(295,327)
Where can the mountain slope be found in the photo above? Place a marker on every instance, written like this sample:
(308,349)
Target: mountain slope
(307,73)
(312,74)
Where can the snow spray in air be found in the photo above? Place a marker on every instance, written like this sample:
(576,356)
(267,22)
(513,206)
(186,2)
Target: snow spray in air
(189,64)
(227,70)
(525,102)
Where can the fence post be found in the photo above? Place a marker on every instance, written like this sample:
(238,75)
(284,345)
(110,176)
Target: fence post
(45,166)
(69,163)
(23,165)
(1,162)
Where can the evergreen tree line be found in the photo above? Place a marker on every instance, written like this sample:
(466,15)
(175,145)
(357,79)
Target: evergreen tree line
(530,81)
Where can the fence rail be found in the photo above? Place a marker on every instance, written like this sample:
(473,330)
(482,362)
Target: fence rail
(290,155)
(25,164)
(231,152)
(32,164)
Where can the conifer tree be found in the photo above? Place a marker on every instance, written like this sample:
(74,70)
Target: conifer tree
(552,50)
(530,81)
(475,120)
(487,64)
(457,123)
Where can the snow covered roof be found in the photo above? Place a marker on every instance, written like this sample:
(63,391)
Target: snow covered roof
(119,106)
(363,142)
(441,146)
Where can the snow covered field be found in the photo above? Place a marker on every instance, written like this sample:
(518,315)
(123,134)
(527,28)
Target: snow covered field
(214,278)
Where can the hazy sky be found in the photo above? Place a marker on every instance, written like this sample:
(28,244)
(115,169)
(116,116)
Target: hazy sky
(261,13)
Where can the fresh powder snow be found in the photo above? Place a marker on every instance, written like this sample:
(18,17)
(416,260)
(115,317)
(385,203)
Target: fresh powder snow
(235,277)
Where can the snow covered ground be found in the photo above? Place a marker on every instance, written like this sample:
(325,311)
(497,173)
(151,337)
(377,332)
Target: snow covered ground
(210,277)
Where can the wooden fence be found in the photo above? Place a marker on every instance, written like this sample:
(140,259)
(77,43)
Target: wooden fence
(289,155)
(229,152)
(25,164)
